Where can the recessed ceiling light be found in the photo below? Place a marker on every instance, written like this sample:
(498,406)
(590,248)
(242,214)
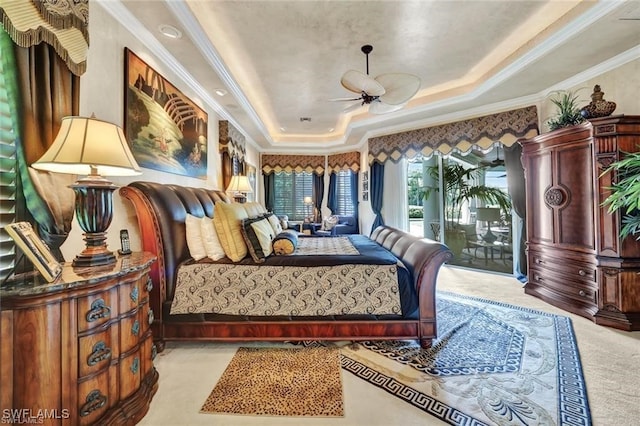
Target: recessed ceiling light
(221,92)
(283,129)
(331,129)
(170,31)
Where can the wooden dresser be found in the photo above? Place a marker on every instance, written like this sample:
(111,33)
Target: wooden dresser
(576,259)
(79,351)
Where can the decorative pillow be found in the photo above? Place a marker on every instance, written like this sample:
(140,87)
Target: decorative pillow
(254,209)
(329,223)
(226,219)
(275,222)
(194,237)
(258,234)
(285,243)
(210,239)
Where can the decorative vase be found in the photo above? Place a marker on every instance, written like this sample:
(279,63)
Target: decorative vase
(598,106)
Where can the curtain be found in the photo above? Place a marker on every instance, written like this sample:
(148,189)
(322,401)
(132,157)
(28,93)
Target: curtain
(354,198)
(227,169)
(376,182)
(48,92)
(332,196)
(516,188)
(318,193)
(270,191)
(396,204)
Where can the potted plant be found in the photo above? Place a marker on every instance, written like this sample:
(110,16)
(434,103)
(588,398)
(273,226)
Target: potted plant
(460,190)
(625,193)
(567,110)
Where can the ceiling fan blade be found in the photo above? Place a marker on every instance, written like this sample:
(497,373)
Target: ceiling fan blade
(344,99)
(358,82)
(378,107)
(352,107)
(399,87)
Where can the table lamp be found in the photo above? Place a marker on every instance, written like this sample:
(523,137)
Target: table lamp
(488,214)
(308,201)
(96,148)
(240,186)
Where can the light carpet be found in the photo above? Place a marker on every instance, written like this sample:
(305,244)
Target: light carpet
(280,382)
(492,363)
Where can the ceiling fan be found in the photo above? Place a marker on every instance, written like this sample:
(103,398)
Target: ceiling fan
(385,93)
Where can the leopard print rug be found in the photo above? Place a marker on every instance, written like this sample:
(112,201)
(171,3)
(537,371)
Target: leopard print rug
(280,382)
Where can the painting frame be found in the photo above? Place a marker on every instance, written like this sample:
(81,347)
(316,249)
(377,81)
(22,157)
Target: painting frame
(35,249)
(165,129)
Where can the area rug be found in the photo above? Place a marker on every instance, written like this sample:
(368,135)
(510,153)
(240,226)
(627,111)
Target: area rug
(492,363)
(299,381)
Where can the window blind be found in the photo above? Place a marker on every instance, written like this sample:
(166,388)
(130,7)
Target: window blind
(290,190)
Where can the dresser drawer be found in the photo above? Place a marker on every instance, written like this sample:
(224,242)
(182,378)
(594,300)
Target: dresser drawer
(569,268)
(582,291)
(148,354)
(93,398)
(95,351)
(130,368)
(129,295)
(97,309)
(130,331)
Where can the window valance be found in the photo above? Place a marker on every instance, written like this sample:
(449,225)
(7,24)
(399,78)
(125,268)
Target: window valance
(292,163)
(344,161)
(61,24)
(461,136)
(231,140)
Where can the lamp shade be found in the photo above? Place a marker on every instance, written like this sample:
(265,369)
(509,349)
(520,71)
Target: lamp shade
(308,200)
(488,214)
(85,143)
(239,184)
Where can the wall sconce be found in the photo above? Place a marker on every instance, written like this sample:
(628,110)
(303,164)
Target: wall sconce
(96,148)
(240,186)
(488,214)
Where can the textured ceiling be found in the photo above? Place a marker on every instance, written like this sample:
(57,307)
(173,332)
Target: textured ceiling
(282,60)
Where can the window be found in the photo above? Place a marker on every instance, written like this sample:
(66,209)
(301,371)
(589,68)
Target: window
(290,190)
(345,202)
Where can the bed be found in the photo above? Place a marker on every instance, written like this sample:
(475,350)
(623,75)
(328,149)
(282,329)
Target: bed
(161,212)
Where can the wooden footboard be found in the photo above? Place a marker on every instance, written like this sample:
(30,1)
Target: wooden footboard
(161,211)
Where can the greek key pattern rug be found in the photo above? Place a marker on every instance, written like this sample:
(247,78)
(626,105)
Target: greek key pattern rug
(492,364)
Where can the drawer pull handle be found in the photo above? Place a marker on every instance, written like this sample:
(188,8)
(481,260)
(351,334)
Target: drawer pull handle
(539,261)
(100,353)
(135,365)
(582,272)
(150,316)
(95,401)
(149,284)
(98,310)
(154,352)
(582,293)
(135,328)
(538,278)
(134,295)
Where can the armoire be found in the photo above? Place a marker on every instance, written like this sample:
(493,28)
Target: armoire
(576,258)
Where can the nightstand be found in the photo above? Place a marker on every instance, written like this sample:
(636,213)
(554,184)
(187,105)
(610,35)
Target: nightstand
(80,347)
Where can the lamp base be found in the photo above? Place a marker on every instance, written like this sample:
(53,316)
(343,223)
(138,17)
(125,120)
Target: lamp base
(489,237)
(94,211)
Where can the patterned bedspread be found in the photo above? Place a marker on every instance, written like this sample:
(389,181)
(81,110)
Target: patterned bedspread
(263,290)
(325,246)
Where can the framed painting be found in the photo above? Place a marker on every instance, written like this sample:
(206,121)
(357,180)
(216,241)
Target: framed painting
(166,130)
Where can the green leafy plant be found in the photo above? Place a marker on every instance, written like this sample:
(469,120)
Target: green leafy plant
(459,189)
(567,110)
(625,193)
